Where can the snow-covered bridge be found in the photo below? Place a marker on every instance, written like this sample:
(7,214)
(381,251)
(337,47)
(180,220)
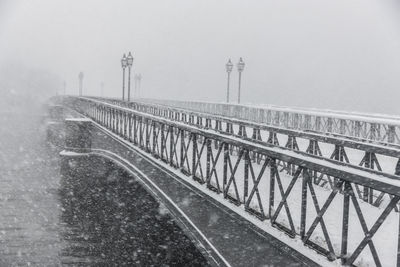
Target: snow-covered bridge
(308,183)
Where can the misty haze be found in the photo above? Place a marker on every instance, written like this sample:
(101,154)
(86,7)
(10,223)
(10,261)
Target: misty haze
(199,133)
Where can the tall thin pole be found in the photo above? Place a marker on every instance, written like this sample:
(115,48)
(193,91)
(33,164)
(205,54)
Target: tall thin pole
(240,67)
(129,62)
(65,87)
(123,84)
(228,67)
(240,81)
(102,89)
(227,91)
(129,83)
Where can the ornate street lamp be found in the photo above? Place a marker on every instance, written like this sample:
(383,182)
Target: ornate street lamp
(123,65)
(129,61)
(240,67)
(229,67)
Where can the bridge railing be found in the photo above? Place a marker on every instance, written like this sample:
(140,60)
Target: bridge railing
(334,148)
(279,190)
(378,128)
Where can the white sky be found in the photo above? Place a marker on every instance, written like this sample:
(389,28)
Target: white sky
(340,54)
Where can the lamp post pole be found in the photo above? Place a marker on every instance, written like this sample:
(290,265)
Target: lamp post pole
(240,67)
(129,62)
(123,65)
(80,83)
(229,67)
(102,89)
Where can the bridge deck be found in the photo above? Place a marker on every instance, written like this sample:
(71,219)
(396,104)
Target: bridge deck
(240,243)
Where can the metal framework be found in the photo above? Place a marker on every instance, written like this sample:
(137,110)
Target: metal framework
(289,140)
(205,156)
(377,128)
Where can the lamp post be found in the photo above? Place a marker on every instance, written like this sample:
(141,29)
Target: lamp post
(129,61)
(102,89)
(229,67)
(80,76)
(240,67)
(123,65)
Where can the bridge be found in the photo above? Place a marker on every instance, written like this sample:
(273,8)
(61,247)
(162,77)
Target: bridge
(252,186)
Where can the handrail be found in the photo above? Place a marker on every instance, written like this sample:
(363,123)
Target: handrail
(369,149)
(372,127)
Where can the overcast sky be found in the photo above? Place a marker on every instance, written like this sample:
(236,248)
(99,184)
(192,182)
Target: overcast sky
(339,54)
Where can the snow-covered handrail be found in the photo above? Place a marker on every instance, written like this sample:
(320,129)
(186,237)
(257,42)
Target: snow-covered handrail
(374,127)
(382,158)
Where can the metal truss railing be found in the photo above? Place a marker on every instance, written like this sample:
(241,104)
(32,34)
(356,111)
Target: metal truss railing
(279,189)
(377,128)
(271,135)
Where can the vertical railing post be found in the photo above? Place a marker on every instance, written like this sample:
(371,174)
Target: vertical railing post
(286,120)
(303,214)
(182,148)
(155,138)
(163,141)
(134,129)
(141,142)
(391,133)
(246,175)
(194,141)
(271,186)
(357,129)
(171,145)
(373,131)
(345,221)
(225,174)
(317,124)
(342,126)
(330,125)
(208,170)
(125,124)
(130,127)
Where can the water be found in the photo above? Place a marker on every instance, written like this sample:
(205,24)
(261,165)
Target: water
(111,219)
(101,217)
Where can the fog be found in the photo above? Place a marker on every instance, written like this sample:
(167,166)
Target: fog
(342,54)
